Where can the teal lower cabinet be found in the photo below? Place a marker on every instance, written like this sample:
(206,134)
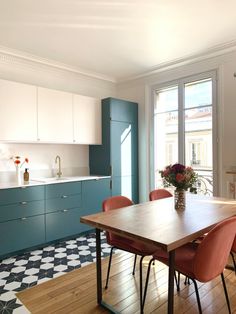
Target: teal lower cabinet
(63,202)
(22,218)
(35,215)
(21,233)
(62,224)
(94,192)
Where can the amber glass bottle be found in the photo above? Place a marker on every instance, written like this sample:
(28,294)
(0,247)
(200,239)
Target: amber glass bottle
(26,175)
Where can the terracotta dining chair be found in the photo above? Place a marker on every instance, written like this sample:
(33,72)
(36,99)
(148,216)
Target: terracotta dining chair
(204,261)
(233,250)
(122,243)
(158,194)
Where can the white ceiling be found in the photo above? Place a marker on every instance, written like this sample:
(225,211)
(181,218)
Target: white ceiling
(116,38)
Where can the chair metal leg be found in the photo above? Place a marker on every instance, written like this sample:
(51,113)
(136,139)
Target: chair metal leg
(232,255)
(197,295)
(177,281)
(141,284)
(226,293)
(135,258)
(146,283)
(109,267)
(186,281)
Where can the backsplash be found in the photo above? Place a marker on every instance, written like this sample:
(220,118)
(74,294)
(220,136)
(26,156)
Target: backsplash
(74,159)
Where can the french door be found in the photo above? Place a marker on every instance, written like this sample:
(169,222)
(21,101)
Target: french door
(184,119)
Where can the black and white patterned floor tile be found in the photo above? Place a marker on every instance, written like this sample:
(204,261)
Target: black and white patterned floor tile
(20,272)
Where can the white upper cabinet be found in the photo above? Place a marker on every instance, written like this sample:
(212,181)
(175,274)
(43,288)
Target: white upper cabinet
(87,120)
(35,114)
(18,112)
(55,121)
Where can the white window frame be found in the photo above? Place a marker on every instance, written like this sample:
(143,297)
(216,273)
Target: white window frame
(181,82)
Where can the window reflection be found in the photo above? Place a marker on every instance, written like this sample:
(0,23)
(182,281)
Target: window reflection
(126,159)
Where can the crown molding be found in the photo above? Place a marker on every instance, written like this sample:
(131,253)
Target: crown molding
(8,55)
(204,55)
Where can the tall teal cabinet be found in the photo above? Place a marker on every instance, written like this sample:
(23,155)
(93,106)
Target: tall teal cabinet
(118,154)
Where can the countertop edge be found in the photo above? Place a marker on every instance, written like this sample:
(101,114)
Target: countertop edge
(9,185)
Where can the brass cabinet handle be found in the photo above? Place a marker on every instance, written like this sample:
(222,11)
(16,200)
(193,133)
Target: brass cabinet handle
(23,218)
(64,196)
(23,203)
(65,210)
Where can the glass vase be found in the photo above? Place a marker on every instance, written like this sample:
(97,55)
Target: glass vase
(179,199)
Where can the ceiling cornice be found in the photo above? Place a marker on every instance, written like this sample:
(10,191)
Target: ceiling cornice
(15,56)
(204,55)
(12,56)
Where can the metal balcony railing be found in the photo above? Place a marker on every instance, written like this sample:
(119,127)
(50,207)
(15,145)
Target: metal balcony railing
(204,183)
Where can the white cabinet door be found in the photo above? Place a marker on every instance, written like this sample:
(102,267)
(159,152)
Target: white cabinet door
(87,120)
(18,112)
(55,121)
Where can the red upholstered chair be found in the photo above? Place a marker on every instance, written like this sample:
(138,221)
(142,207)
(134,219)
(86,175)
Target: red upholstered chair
(204,261)
(233,250)
(158,194)
(122,243)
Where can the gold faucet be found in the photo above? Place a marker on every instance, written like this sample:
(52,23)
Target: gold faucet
(59,173)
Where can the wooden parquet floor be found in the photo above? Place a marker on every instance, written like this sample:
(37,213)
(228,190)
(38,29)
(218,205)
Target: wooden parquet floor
(75,292)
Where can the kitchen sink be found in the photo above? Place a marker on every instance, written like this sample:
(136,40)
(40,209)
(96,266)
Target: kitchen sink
(50,179)
(71,178)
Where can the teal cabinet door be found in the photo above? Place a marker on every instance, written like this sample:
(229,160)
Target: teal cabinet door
(63,202)
(62,224)
(63,190)
(94,192)
(124,157)
(21,233)
(118,154)
(22,194)
(21,210)
(22,220)
(122,110)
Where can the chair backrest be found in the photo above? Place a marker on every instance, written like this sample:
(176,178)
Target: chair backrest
(213,252)
(233,249)
(158,194)
(111,203)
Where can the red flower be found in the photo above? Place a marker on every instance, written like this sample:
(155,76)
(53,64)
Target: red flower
(179,177)
(17,161)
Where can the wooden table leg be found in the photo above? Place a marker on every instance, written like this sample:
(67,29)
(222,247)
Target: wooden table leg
(171,282)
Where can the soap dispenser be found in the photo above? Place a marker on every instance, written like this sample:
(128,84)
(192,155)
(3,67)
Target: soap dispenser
(26,175)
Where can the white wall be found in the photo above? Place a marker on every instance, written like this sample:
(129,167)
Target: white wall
(139,90)
(74,157)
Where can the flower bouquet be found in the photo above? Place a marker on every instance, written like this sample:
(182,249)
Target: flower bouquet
(183,178)
(19,164)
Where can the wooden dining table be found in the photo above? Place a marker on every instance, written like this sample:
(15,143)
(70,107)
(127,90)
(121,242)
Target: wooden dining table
(158,223)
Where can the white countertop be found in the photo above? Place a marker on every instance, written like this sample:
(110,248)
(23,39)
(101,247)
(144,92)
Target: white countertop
(44,181)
